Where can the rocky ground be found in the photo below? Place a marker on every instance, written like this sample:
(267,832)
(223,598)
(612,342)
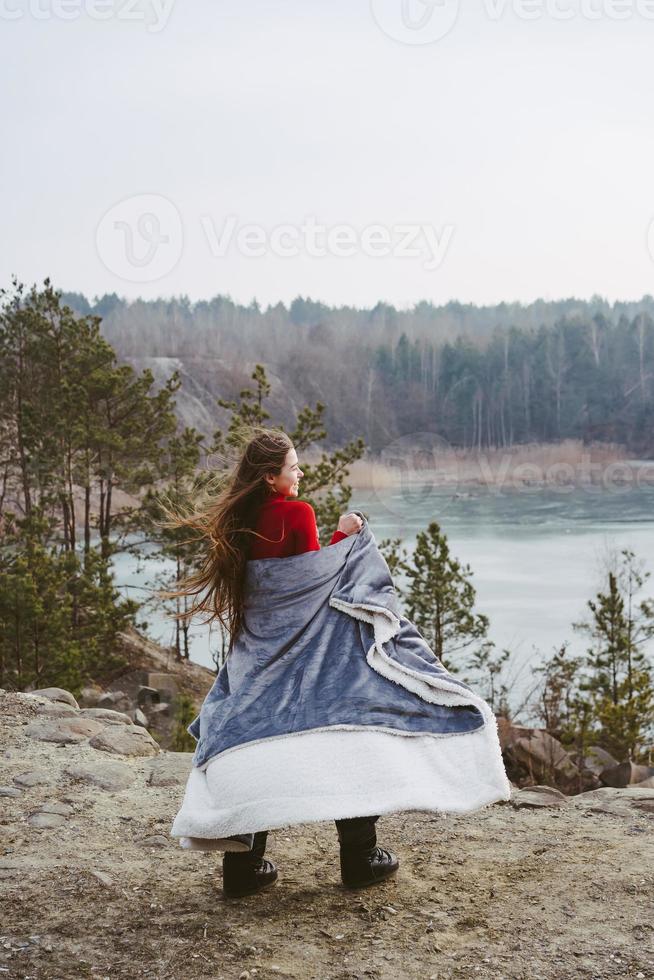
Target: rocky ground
(93,886)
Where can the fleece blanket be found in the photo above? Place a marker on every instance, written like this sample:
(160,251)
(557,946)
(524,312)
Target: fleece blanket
(325,668)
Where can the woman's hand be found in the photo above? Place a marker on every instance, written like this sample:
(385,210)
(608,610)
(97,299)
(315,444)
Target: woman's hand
(350,523)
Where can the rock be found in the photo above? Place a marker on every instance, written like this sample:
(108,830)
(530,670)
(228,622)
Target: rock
(148,696)
(647,783)
(589,780)
(110,776)
(35,777)
(160,709)
(638,792)
(163,683)
(106,715)
(63,809)
(597,759)
(125,740)
(154,840)
(56,694)
(139,718)
(46,821)
(170,769)
(625,774)
(508,732)
(647,806)
(542,760)
(89,696)
(9,791)
(616,802)
(114,700)
(64,730)
(56,709)
(537,796)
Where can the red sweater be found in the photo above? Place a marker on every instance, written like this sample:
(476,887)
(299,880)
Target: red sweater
(291,524)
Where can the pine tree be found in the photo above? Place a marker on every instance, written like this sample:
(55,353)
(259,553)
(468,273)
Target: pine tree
(76,426)
(620,684)
(185,480)
(563,707)
(181,740)
(440,597)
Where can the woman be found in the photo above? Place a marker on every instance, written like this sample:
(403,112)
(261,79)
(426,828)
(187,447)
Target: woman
(254,519)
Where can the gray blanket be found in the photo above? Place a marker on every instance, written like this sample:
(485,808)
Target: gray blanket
(324,646)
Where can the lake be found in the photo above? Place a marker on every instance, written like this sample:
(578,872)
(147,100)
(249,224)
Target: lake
(536,554)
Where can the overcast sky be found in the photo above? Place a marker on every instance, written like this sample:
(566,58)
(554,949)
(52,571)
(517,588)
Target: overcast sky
(348,150)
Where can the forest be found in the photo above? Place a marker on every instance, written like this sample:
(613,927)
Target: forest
(479,377)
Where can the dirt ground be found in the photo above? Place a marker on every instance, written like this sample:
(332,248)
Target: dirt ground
(564,892)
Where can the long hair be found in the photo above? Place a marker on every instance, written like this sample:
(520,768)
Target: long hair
(226,523)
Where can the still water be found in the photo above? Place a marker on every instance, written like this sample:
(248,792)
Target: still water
(537,556)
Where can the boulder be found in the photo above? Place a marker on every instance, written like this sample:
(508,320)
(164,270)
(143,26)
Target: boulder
(63,730)
(163,683)
(56,694)
(139,718)
(89,696)
(106,715)
(110,776)
(625,774)
(148,696)
(616,802)
(589,780)
(125,740)
(509,732)
(115,701)
(539,758)
(597,759)
(157,710)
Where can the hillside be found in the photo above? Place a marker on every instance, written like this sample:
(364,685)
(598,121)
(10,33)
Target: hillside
(93,886)
(478,377)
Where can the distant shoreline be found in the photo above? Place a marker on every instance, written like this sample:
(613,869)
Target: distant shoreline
(568,463)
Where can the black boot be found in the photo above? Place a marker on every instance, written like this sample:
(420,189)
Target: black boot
(249,872)
(362,861)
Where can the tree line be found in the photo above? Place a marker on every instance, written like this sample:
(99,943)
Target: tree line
(478,376)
